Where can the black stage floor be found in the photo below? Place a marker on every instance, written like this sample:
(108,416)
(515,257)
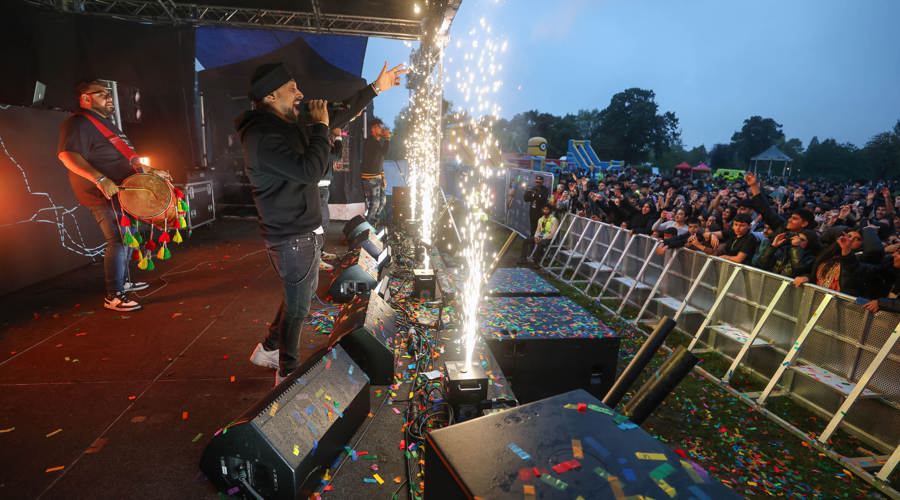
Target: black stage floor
(99,404)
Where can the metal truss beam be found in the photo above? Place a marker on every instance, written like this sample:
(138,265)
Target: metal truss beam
(169,12)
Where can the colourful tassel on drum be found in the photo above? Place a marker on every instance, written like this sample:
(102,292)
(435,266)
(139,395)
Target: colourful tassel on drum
(125,221)
(142,263)
(164,253)
(182,223)
(150,265)
(136,256)
(150,245)
(163,237)
(177,238)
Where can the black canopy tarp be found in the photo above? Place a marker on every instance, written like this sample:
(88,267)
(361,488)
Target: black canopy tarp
(225,96)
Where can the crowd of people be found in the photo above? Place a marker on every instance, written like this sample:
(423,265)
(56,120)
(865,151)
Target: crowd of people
(838,235)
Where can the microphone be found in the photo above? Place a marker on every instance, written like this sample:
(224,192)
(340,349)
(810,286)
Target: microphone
(332,106)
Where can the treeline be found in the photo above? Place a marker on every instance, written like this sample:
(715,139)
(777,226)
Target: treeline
(632,128)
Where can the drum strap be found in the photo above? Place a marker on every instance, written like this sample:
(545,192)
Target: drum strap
(113,138)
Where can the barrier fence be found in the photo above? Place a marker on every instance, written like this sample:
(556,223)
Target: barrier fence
(508,189)
(817,347)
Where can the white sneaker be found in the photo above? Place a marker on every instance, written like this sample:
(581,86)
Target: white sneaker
(324,266)
(329,256)
(136,287)
(120,301)
(264,358)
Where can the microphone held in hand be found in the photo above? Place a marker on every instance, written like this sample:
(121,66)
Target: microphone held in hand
(333,106)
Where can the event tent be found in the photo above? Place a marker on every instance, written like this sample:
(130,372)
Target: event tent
(771,155)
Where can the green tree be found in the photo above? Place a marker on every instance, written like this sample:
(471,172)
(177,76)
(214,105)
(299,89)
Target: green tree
(832,159)
(882,154)
(631,128)
(757,135)
(722,156)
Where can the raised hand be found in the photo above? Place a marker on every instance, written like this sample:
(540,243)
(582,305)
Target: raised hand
(779,239)
(389,78)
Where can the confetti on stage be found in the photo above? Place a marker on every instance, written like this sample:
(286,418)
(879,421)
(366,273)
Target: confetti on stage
(519,281)
(534,317)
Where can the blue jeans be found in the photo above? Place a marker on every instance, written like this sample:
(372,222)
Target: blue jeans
(296,261)
(376,199)
(116,255)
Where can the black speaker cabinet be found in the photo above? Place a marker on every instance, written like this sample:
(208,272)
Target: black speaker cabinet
(281,447)
(357,274)
(368,241)
(365,328)
(355,226)
(541,366)
(564,447)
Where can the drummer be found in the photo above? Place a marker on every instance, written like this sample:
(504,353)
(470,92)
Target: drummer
(96,168)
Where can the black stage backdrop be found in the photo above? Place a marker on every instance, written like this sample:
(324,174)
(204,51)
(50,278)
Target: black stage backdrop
(62,49)
(43,230)
(225,96)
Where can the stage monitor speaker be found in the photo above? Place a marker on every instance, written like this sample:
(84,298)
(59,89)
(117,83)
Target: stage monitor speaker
(355,226)
(368,241)
(564,447)
(540,366)
(357,273)
(365,328)
(281,447)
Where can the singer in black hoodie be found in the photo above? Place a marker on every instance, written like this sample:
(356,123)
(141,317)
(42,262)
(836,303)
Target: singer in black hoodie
(284,165)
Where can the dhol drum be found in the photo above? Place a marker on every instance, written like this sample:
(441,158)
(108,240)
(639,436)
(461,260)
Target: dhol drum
(151,199)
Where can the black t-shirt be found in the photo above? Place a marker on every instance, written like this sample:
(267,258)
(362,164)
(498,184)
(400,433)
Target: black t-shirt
(734,245)
(78,135)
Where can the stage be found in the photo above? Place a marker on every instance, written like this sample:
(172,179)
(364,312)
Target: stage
(125,403)
(108,405)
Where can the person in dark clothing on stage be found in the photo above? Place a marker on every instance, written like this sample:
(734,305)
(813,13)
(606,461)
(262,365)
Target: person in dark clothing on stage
(284,166)
(337,144)
(373,183)
(537,196)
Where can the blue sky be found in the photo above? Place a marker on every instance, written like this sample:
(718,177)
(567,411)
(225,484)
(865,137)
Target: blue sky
(819,67)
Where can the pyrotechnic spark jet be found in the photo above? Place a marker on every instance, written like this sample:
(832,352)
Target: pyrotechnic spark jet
(477,81)
(425,112)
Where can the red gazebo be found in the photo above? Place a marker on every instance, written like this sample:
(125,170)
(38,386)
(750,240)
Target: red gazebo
(701,167)
(683,167)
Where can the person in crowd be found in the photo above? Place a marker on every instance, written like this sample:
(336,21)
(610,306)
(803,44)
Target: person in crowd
(546,228)
(537,197)
(791,254)
(676,220)
(890,272)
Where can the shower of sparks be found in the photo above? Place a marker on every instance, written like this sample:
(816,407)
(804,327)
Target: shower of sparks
(424,144)
(478,81)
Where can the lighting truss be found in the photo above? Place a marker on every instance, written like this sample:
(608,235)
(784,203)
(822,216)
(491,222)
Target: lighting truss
(170,12)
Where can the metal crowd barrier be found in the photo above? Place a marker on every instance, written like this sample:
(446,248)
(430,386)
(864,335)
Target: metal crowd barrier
(817,347)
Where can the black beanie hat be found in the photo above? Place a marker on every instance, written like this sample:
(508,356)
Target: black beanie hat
(266,78)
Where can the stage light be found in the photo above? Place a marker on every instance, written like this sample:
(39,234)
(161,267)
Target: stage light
(416,9)
(144,160)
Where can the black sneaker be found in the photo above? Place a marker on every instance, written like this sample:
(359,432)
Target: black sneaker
(136,286)
(120,301)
